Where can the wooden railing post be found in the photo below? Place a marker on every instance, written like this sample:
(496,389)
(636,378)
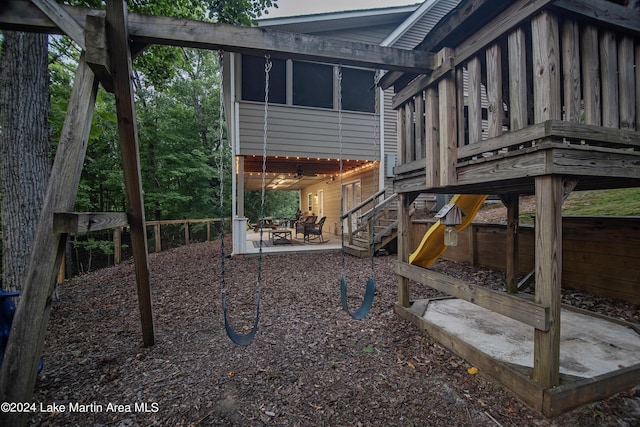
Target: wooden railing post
(546,68)
(117,245)
(517,80)
(156,236)
(186,232)
(448,123)
(432,137)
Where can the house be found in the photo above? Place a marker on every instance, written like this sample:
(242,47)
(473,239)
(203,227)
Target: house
(303,147)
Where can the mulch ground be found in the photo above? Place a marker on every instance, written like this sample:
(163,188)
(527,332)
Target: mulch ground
(310,364)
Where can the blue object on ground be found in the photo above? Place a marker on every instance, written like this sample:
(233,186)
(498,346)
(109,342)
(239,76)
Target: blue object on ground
(7,310)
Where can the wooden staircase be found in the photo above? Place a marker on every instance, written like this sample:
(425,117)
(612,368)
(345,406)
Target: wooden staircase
(374,229)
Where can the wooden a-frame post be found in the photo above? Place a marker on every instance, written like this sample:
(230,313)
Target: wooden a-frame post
(26,340)
(20,365)
(111,64)
(120,61)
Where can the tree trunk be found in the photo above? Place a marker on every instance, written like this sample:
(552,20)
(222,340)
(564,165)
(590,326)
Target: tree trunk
(25,147)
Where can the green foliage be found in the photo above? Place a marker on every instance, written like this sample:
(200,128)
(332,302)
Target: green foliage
(239,12)
(91,244)
(277,204)
(618,202)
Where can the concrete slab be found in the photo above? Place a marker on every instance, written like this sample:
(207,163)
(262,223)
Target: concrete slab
(589,346)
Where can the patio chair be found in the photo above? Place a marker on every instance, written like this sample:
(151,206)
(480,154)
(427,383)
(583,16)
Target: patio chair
(300,225)
(314,231)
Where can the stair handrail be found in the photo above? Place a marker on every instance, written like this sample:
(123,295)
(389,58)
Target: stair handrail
(379,207)
(362,204)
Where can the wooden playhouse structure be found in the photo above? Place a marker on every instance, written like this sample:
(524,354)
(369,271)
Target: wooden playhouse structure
(526,53)
(530,97)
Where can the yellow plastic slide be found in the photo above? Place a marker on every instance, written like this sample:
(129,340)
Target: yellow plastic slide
(432,245)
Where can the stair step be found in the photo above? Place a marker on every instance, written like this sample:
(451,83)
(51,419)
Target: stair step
(356,251)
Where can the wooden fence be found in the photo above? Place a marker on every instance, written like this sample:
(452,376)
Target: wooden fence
(157,247)
(600,255)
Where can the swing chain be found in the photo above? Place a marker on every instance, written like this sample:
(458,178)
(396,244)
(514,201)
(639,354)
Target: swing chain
(339,79)
(220,174)
(370,287)
(376,164)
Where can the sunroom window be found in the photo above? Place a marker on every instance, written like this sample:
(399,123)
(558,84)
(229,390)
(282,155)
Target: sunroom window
(312,84)
(253,79)
(357,90)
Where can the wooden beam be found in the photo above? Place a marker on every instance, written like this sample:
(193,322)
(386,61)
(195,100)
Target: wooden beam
(590,74)
(474,97)
(546,68)
(204,35)
(517,80)
(404,248)
(627,83)
(604,11)
(432,137)
(512,202)
(24,348)
(571,70)
(443,68)
(83,222)
(518,12)
(98,52)
(448,126)
(148,29)
(548,255)
(494,90)
(117,245)
(555,129)
(63,20)
(527,312)
(120,59)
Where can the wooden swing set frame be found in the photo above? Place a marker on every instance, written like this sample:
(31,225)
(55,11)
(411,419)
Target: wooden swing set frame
(109,39)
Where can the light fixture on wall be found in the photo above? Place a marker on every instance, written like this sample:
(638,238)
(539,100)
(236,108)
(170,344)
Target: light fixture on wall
(450,215)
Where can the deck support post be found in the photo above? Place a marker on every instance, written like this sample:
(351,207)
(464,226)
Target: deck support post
(512,201)
(404,248)
(548,277)
(120,59)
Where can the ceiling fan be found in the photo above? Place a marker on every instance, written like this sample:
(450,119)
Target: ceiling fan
(301,173)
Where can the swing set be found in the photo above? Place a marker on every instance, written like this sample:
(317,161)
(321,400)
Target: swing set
(108,40)
(244,339)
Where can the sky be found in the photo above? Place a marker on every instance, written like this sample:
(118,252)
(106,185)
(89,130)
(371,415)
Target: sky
(304,7)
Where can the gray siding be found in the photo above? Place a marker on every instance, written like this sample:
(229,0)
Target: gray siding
(414,35)
(373,34)
(305,132)
(390,131)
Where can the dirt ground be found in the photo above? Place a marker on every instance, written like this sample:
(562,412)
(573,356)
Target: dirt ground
(310,364)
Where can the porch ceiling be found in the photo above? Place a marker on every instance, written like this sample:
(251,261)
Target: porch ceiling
(294,173)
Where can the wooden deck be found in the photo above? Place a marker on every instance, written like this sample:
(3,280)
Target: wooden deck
(596,157)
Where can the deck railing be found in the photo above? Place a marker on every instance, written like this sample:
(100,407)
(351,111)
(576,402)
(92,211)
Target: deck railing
(532,75)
